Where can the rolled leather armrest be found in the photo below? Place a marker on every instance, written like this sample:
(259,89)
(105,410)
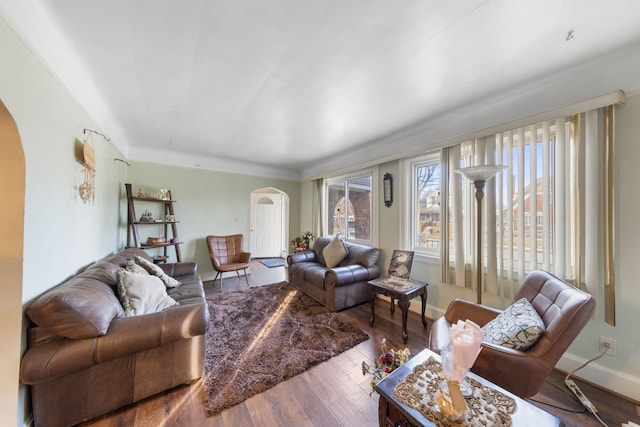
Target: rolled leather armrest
(179,268)
(348,274)
(301,257)
(126,335)
(462,310)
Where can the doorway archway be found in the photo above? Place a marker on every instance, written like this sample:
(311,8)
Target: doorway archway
(269,223)
(12,186)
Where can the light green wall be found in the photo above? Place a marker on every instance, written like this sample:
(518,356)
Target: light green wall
(61,233)
(208,203)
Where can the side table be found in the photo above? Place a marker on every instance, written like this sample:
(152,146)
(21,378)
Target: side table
(404,290)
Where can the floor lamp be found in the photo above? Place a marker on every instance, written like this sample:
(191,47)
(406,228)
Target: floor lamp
(479,176)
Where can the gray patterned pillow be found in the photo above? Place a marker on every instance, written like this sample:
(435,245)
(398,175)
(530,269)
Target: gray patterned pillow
(519,327)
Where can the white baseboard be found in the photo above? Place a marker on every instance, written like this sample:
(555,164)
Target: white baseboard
(615,381)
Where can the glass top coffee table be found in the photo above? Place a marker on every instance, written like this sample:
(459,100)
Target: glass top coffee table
(403,290)
(393,412)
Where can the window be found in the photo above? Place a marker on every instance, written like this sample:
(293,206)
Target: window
(349,207)
(541,212)
(425,201)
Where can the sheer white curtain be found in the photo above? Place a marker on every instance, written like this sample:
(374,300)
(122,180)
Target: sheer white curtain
(544,211)
(317,207)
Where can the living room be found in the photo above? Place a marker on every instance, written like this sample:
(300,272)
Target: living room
(55,234)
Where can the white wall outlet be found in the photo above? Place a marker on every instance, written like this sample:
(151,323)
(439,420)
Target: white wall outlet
(604,341)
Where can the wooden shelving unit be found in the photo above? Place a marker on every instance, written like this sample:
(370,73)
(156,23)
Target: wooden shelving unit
(170,228)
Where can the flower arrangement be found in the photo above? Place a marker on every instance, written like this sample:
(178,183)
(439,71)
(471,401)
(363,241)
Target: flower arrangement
(303,242)
(387,362)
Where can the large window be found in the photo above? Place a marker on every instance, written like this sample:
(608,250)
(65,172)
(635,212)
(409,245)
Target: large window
(349,206)
(542,212)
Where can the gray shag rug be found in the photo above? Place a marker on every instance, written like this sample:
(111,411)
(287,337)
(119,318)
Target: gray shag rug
(263,335)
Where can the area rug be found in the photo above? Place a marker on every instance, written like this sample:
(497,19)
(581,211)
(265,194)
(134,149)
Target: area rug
(272,262)
(263,335)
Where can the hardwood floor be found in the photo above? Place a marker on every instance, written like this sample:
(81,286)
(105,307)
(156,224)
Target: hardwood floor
(335,393)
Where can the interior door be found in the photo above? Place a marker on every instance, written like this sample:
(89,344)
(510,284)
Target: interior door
(266,225)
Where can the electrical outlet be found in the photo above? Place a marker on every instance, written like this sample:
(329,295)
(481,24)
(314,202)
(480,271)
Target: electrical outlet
(611,343)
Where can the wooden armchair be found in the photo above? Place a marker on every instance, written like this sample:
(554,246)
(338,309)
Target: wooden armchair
(227,254)
(564,309)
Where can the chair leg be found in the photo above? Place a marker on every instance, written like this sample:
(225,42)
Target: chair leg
(216,278)
(245,276)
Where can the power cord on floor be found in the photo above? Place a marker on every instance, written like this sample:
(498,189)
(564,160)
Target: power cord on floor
(576,390)
(571,385)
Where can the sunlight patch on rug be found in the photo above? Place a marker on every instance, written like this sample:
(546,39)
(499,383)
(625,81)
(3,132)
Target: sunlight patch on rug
(261,336)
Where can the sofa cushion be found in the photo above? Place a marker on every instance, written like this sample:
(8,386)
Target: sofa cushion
(519,327)
(154,270)
(334,252)
(142,293)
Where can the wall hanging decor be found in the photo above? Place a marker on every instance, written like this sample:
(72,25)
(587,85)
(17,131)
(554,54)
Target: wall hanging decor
(87,188)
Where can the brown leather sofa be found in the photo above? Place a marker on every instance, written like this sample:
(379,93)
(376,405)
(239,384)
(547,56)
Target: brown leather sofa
(564,309)
(340,287)
(84,358)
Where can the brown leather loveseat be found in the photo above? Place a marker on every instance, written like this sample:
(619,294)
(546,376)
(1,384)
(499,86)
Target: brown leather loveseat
(342,286)
(85,358)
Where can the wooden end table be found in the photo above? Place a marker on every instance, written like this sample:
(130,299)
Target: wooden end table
(393,413)
(403,290)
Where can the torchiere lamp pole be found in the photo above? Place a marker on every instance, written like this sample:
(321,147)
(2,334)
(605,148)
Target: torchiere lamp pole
(479,176)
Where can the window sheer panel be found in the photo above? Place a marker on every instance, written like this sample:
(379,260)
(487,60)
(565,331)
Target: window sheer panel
(592,260)
(548,209)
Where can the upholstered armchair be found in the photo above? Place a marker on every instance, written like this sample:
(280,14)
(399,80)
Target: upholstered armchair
(227,254)
(564,309)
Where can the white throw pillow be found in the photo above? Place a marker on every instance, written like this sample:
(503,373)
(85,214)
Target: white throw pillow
(519,327)
(334,252)
(153,269)
(142,293)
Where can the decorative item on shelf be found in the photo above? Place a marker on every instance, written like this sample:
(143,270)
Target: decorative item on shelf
(163,194)
(175,240)
(146,217)
(140,192)
(156,240)
(388,189)
(479,175)
(170,218)
(387,362)
(159,258)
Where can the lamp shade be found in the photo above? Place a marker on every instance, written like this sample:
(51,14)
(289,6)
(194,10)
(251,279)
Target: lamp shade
(480,173)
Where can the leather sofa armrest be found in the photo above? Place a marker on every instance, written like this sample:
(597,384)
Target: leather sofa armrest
(245,257)
(345,275)
(309,256)
(462,310)
(179,268)
(127,335)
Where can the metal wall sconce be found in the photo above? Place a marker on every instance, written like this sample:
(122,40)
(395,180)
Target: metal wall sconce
(388,189)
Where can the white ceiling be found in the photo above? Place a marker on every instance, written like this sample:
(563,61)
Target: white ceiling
(297,88)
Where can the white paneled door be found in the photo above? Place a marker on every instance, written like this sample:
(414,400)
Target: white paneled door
(266,225)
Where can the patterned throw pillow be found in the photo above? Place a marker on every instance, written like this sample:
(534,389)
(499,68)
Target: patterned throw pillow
(334,252)
(154,270)
(519,327)
(142,293)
